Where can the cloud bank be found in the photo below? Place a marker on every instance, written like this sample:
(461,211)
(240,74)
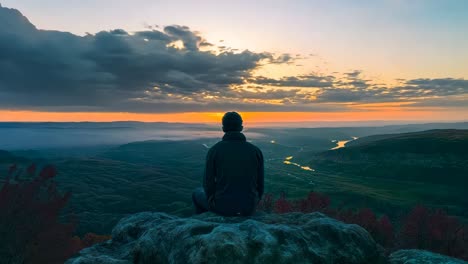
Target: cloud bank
(173,70)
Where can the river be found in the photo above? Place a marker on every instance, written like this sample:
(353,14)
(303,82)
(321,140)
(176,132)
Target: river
(288,161)
(342,143)
(339,144)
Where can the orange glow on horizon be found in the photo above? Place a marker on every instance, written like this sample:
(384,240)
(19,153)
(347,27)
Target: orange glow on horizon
(249,117)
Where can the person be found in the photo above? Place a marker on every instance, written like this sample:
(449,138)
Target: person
(233,183)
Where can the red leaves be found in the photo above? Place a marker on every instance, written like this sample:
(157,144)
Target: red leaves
(366,218)
(313,202)
(31,170)
(282,205)
(385,231)
(422,228)
(29,212)
(381,228)
(48,172)
(412,229)
(436,231)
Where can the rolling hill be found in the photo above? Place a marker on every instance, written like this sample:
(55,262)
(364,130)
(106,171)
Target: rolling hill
(428,167)
(436,156)
(385,172)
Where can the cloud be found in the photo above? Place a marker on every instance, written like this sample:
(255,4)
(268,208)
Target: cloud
(173,69)
(359,90)
(308,81)
(47,69)
(438,87)
(354,88)
(444,102)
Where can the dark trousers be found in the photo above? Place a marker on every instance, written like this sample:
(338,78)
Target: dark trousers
(200,201)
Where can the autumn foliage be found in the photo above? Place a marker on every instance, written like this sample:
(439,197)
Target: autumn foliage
(30,230)
(421,228)
(436,231)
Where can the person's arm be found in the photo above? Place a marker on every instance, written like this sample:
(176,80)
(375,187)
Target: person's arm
(209,181)
(260,174)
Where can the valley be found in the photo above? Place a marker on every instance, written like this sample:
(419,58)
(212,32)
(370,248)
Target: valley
(113,180)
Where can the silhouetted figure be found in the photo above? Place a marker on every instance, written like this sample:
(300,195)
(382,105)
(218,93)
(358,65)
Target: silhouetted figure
(234,174)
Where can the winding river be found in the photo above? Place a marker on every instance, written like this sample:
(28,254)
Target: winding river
(339,144)
(342,143)
(288,161)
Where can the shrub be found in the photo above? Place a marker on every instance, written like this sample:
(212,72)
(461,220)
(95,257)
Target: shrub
(29,211)
(313,202)
(381,229)
(282,205)
(434,230)
(422,228)
(385,232)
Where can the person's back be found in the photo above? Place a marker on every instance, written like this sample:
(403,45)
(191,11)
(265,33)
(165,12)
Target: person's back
(234,175)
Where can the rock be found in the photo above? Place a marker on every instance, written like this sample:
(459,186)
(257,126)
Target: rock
(265,238)
(415,256)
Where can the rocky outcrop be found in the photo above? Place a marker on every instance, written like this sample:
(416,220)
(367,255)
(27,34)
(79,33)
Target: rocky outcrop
(414,256)
(265,238)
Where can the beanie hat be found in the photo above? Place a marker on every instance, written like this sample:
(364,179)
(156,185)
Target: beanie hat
(232,121)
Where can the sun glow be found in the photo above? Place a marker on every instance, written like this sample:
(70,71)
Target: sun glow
(250,118)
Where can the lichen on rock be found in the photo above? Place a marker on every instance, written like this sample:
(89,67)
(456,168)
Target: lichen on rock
(152,237)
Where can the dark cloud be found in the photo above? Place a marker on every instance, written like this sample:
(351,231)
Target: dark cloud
(438,87)
(308,81)
(190,39)
(354,88)
(353,74)
(47,69)
(173,69)
(154,35)
(359,90)
(284,58)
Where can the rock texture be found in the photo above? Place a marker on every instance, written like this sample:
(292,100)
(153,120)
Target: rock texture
(414,256)
(289,238)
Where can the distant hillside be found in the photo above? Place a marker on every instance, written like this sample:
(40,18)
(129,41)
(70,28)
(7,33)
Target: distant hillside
(426,142)
(439,156)
(104,190)
(428,167)
(8,158)
(5,155)
(156,153)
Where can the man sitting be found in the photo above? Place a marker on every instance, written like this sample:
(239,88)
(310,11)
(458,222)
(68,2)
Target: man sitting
(234,174)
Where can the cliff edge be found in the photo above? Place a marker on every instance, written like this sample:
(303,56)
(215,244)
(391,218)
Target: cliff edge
(152,237)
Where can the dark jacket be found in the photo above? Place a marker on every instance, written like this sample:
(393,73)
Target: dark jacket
(234,176)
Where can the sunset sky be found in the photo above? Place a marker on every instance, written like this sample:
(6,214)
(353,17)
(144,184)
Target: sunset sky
(274,61)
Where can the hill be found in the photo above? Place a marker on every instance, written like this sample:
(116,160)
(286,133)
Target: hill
(429,167)
(7,159)
(420,156)
(438,140)
(110,182)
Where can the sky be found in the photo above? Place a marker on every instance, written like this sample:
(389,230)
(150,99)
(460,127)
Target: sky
(191,61)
